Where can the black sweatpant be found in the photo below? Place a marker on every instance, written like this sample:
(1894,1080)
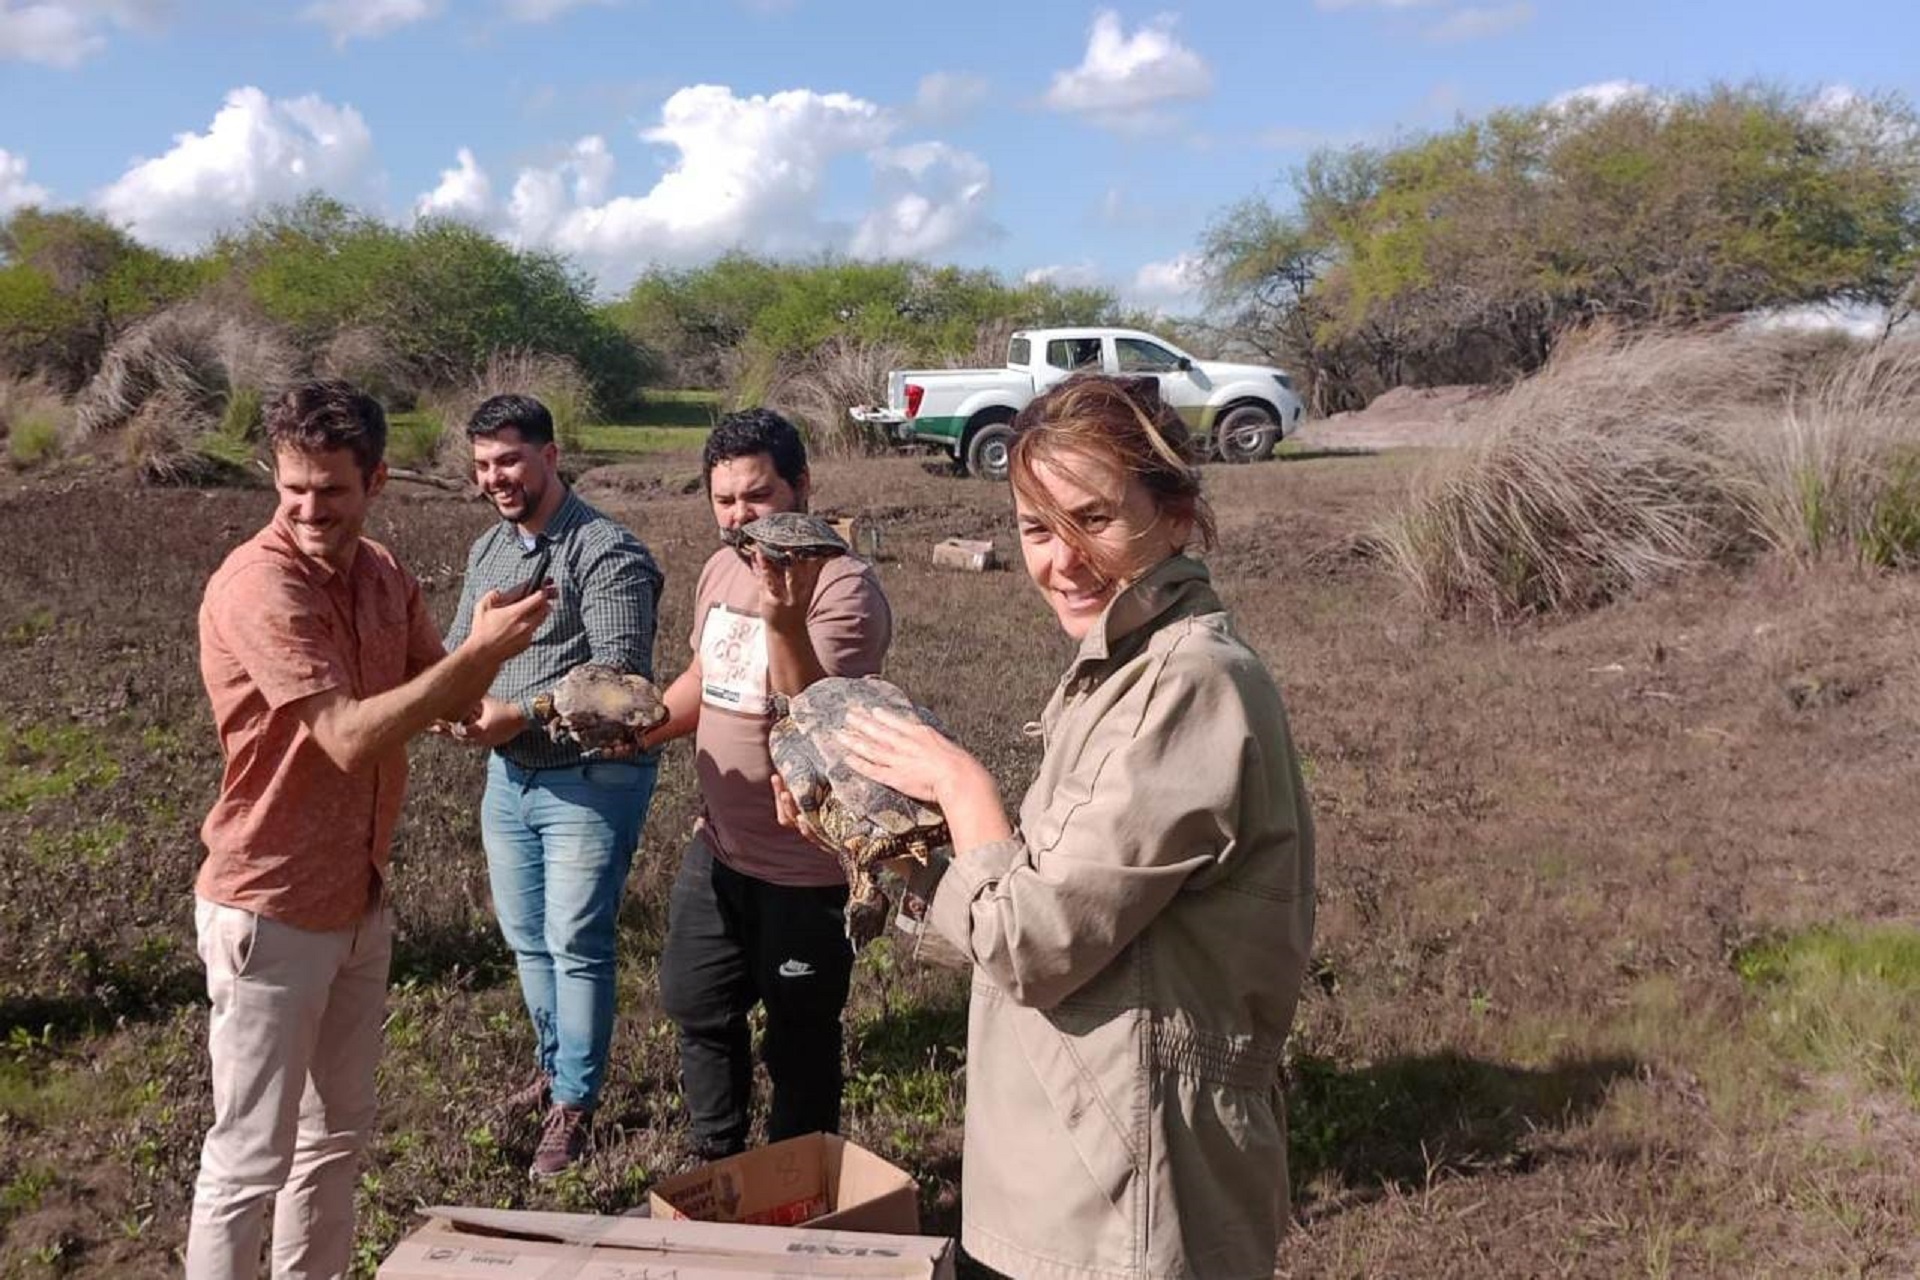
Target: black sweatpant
(734,940)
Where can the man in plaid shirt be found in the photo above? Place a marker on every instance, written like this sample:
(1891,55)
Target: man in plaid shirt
(559,829)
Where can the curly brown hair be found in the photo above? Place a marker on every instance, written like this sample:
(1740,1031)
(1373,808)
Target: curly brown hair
(1122,422)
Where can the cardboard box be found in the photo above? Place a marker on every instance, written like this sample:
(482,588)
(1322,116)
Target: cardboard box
(975,555)
(506,1244)
(816,1180)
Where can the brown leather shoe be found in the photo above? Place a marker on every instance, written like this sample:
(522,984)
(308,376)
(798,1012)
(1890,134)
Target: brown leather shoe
(563,1140)
(535,1095)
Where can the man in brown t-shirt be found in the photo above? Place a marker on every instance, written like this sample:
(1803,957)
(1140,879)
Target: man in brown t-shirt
(756,914)
(320,662)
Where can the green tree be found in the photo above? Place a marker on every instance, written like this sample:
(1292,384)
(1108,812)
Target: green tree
(69,284)
(1463,255)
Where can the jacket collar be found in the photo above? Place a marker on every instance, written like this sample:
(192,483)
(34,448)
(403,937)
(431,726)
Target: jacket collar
(1178,581)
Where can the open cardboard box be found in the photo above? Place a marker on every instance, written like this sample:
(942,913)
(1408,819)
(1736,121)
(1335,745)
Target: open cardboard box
(816,1180)
(507,1244)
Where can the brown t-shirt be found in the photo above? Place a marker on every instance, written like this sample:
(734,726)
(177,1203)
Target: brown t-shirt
(850,626)
(291,837)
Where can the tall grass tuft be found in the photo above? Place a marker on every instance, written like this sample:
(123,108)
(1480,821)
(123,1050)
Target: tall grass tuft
(1625,462)
(1835,471)
(185,387)
(33,418)
(817,389)
(555,381)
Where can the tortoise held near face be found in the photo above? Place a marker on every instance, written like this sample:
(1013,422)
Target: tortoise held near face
(598,706)
(786,535)
(865,822)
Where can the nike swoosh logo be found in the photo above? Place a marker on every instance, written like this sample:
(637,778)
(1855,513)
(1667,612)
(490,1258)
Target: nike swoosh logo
(795,969)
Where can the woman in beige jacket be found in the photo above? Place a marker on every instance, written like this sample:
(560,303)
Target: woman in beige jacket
(1138,940)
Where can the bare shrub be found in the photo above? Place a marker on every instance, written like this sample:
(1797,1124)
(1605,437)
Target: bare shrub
(189,371)
(555,381)
(817,389)
(1622,462)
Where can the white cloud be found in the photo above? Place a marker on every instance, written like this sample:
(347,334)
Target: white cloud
(1602,96)
(65,33)
(1123,78)
(935,197)
(464,192)
(947,96)
(745,173)
(1174,284)
(1065,275)
(1479,22)
(367,19)
(257,152)
(15,190)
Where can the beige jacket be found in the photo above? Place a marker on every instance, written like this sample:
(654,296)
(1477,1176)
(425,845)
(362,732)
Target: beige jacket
(1137,950)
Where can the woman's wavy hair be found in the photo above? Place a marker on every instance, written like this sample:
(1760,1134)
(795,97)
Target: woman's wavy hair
(1123,422)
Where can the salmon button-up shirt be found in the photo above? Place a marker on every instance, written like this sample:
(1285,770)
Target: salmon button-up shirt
(293,837)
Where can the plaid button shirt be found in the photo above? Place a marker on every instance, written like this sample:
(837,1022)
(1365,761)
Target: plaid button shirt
(606,611)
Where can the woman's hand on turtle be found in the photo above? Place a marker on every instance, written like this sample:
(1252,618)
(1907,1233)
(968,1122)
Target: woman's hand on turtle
(912,757)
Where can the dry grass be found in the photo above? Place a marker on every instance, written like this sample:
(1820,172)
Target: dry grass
(555,381)
(815,390)
(193,375)
(1628,461)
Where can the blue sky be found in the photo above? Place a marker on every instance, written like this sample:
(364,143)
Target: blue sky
(1093,143)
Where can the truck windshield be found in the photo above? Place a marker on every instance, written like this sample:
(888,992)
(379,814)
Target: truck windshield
(1020,352)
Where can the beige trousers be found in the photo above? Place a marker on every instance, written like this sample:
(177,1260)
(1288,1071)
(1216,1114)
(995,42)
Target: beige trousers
(294,1039)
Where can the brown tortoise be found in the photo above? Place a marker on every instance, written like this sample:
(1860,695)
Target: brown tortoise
(599,706)
(786,535)
(863,821)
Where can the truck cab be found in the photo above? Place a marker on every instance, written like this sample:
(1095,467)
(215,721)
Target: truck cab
(1241,411)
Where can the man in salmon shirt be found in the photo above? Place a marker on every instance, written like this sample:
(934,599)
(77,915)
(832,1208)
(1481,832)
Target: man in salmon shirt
(756,913)
(320,662)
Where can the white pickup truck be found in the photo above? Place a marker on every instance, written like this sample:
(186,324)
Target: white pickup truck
(1240,410)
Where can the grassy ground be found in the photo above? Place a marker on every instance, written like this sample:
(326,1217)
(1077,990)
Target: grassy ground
(1617,959)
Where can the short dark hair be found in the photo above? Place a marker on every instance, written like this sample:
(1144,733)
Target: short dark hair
(328,414)
(751,431)
(523,413)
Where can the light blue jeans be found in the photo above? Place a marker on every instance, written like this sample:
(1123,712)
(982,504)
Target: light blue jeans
(559,845)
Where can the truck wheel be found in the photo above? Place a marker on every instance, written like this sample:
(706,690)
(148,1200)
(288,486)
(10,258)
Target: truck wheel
(1246,434)
(988,451)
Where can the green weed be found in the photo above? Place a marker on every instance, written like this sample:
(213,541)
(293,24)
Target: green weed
(1844,997)
(52,762)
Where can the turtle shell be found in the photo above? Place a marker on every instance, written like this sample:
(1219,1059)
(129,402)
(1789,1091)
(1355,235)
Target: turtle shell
(866,822)
(599,706)
(786,535)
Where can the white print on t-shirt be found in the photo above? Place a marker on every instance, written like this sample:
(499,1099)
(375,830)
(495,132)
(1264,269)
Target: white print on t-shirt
(733,661)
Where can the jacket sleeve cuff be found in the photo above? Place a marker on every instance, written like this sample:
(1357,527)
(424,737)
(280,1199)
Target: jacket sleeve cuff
(950,910)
